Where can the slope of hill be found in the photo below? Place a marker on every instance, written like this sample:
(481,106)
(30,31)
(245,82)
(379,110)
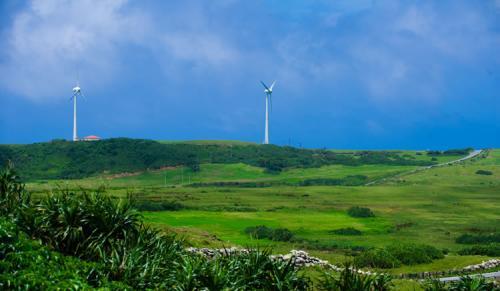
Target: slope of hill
(63,159)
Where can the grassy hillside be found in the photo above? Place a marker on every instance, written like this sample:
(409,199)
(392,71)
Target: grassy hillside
(230,191)
(433,206)
(218,174)
(62,159)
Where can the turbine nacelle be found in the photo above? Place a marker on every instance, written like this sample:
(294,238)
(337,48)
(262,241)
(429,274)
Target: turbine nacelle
(76,90)
(268,90)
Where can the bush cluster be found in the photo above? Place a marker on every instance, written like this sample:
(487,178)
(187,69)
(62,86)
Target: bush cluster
(482,238)
(484,172)
(351,180)
(264,232)
(357,211)
(148,205)
(398,254)
(492,250)
(450,152)
(346,231)
(234,184)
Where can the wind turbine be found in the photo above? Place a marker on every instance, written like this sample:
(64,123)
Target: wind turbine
(269,105)
(77,92)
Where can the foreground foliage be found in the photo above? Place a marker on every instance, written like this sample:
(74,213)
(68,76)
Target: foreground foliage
(29,265)
(350,279)
(465,283)
(106,242)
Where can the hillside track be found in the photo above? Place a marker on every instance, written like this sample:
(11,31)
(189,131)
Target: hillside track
(471,155)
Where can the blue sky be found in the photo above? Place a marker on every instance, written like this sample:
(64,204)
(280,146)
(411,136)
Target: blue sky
(350,74)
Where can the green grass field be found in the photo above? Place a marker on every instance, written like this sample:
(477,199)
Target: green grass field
(433,206)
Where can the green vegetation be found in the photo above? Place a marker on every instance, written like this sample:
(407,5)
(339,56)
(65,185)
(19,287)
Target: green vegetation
(396,255)
(264,232)
(482,238)
(451,152)
(484,172)
(61,159)
(357,211)
(465,283)
(211,205)
(114,246)
(483,250)
(351,180)
(26,264)
(158,206)
(347,231)
(349,279)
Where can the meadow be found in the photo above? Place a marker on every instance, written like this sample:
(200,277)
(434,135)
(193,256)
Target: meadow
(432,207)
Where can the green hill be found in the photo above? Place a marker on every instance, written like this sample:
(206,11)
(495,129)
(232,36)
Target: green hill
(64,159)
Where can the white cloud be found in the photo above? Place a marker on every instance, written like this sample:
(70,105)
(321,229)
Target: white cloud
(50,42)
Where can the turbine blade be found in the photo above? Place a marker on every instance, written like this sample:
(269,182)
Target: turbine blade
(272,85)
(81,93)
(264,85)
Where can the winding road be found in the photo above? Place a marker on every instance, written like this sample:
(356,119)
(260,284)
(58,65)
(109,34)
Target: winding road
(471,155)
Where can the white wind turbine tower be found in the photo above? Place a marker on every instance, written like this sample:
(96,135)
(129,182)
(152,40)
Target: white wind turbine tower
(77,92)
(269,105)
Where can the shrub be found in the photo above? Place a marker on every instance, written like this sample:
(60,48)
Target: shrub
(346,231)
(491,250)
(398,254)
(377,258)
(158,206)
(281,234)
(357,211)
(450,152)
(484,172)
(351,180)
(259,231)
(411,254)
(478,238)
(263,232)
